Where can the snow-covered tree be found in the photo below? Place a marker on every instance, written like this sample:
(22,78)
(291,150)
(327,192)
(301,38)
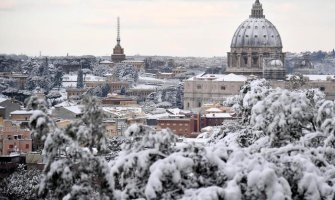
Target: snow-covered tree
(39,76)
(22,184)
(58,79)
(296,81)
(80,79)
(283,149)
(53,96)
(125,73)
(72,169)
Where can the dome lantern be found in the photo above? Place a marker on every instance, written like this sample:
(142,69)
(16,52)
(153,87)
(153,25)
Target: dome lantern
(257,10)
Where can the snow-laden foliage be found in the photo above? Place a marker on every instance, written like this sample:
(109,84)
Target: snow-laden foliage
(101,70)
(282,115)
(152,166)
(125,73)
(40,76)
(296,81)
(282,149)
(58,78)
(74,169)
(80,79)
(22,184)
(252,92)
(291,135)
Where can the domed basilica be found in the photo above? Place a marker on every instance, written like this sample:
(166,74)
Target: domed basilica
(255,43)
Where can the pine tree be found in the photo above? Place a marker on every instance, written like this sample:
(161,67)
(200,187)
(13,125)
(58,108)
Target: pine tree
(80,79)
(58,79)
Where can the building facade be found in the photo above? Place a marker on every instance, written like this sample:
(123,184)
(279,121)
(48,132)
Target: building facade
(211,88)
(14,139)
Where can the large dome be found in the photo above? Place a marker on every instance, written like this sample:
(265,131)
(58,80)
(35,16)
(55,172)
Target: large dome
(256,32)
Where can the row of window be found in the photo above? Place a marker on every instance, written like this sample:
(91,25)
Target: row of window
(222,87)
(12,146)
(174,124)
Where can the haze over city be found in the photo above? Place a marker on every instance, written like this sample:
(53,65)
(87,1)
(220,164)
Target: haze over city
(155,27)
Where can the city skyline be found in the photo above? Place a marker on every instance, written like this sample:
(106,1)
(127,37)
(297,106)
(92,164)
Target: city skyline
(155,27)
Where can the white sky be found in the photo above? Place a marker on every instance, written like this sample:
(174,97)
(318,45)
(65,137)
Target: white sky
(156,27)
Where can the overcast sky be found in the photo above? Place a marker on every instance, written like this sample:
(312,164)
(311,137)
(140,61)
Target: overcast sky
(156,27)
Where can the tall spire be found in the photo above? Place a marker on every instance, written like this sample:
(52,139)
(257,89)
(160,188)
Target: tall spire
(118,39)
(257,10)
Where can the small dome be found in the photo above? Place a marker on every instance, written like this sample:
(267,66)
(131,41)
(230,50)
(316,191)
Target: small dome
(256,32)
(276,63)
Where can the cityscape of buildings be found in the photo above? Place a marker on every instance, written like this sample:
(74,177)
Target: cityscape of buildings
(183,94)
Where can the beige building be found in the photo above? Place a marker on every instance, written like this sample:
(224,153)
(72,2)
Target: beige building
(111,128)
(214,88)
(75,93)
(14,139)
(211,88)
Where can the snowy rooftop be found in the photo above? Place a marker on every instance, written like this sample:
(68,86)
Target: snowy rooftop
(132,61)
(220,77)
(106,62)
(157,115)
(75,109)
(218,115)
(316,77)
(88,77)
(150,80)
(21,112)
(214,110)
(145,87)
(122,109)
(2,99)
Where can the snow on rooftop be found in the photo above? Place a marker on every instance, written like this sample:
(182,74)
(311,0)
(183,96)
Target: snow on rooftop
(218,115)
(106,62)
(77,109)
(214,110)
(21,112)
(88,77)
(150,79)
(175,111)
(132,61)
(145,87)
(316,77)
(157,116)
(2,99)
(220,77)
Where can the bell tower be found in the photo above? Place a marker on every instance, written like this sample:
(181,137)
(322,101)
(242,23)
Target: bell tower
(118,52)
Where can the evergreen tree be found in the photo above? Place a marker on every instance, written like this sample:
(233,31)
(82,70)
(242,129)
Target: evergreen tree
(58,79)
(80,79)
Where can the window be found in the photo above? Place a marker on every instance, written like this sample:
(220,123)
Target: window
(223,87)
(10,146)
(27,146)
(322,88)
(255,60)
(245,60)
(198,87)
